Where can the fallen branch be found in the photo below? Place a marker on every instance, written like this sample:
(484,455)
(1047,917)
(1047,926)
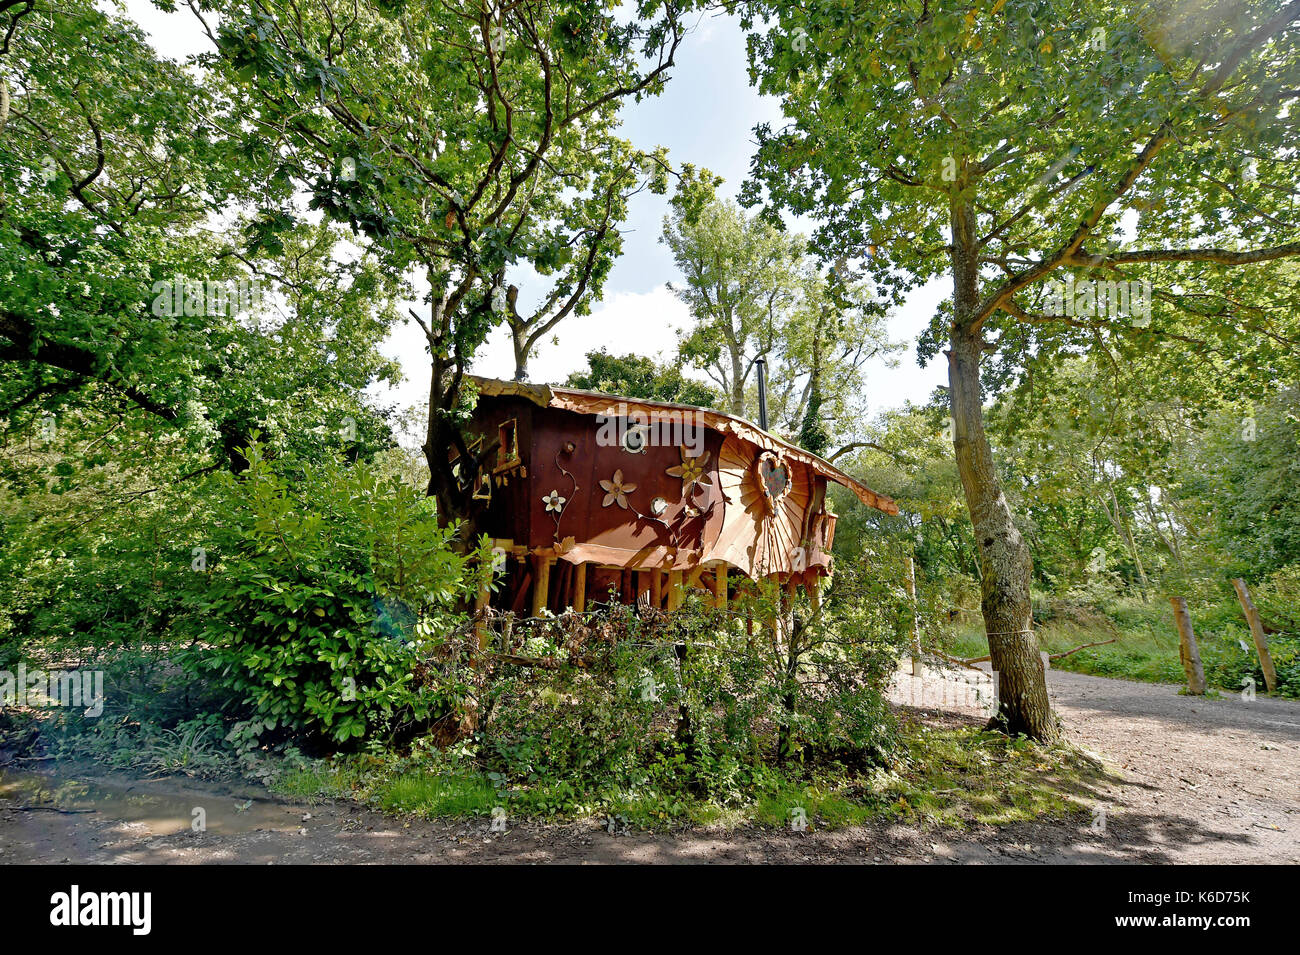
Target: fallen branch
(46,809)
(958,660)
(1050,656)
(1085,646)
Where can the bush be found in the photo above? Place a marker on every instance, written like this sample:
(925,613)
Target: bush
(325,593)
(690,704)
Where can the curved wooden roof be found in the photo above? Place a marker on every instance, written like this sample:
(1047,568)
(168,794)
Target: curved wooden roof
(595,403)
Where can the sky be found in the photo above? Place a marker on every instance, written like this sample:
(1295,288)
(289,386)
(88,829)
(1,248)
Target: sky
(705,116)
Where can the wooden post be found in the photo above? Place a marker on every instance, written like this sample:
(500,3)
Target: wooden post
(674,589)
(1257,632)
(1187,652)
(813,584)
(917,667)
(720,586)
(656,588)
(542,586)
(580,587)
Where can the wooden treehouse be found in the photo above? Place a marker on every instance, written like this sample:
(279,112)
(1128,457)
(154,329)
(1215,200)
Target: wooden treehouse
(592,498)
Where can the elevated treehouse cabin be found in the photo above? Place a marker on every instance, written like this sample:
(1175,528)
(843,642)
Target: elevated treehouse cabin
(593,497)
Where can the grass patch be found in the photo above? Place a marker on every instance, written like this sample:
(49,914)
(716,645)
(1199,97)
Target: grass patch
(951,777)
(433,795)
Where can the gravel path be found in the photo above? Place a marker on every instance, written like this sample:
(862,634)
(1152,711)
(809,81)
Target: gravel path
(1192,780)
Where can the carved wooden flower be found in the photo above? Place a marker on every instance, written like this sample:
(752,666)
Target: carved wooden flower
(691,470)
(616,491)
(554,502)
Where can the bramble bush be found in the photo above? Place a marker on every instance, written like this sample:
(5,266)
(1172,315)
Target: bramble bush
(700,702)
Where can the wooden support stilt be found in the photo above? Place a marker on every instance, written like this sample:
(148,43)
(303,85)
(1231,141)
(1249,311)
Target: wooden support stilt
(580,587)
(542,585)
(674,589)
(656,589)
(777,623)
(1257,634)
(813,584)
(720,586)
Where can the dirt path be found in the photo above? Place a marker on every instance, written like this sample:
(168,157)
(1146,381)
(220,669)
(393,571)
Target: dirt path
(1196,780)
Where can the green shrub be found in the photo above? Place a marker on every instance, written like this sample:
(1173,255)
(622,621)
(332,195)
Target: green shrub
(326,593)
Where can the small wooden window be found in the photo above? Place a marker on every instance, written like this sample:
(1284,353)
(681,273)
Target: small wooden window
(508,445)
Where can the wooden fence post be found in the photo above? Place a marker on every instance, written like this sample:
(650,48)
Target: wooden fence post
(1257,632)
(1187,652)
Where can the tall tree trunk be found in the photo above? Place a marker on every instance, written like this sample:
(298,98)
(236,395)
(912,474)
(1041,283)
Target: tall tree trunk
(1121,523)
(519,339)
(443,439)
(737,382)
(812,432)
(1005,564)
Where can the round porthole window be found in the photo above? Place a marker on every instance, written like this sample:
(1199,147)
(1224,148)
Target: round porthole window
(636,438)
(658,506)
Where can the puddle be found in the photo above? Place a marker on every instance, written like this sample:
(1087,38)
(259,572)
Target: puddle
(150,804)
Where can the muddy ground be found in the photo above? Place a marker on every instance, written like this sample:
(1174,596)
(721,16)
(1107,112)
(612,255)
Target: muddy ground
(1190,780)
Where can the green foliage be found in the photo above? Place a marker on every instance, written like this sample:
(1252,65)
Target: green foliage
(327,591)
(753,292)
(635,376)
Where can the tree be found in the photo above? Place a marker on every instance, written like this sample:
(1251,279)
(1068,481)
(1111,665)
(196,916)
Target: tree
(1010,148)
(115,292)
(820,349)
(753,292)
(458,140)
(636,376)
(593,243)
(741,276)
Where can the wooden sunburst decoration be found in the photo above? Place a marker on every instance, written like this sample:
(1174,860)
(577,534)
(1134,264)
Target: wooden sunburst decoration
(773,477)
